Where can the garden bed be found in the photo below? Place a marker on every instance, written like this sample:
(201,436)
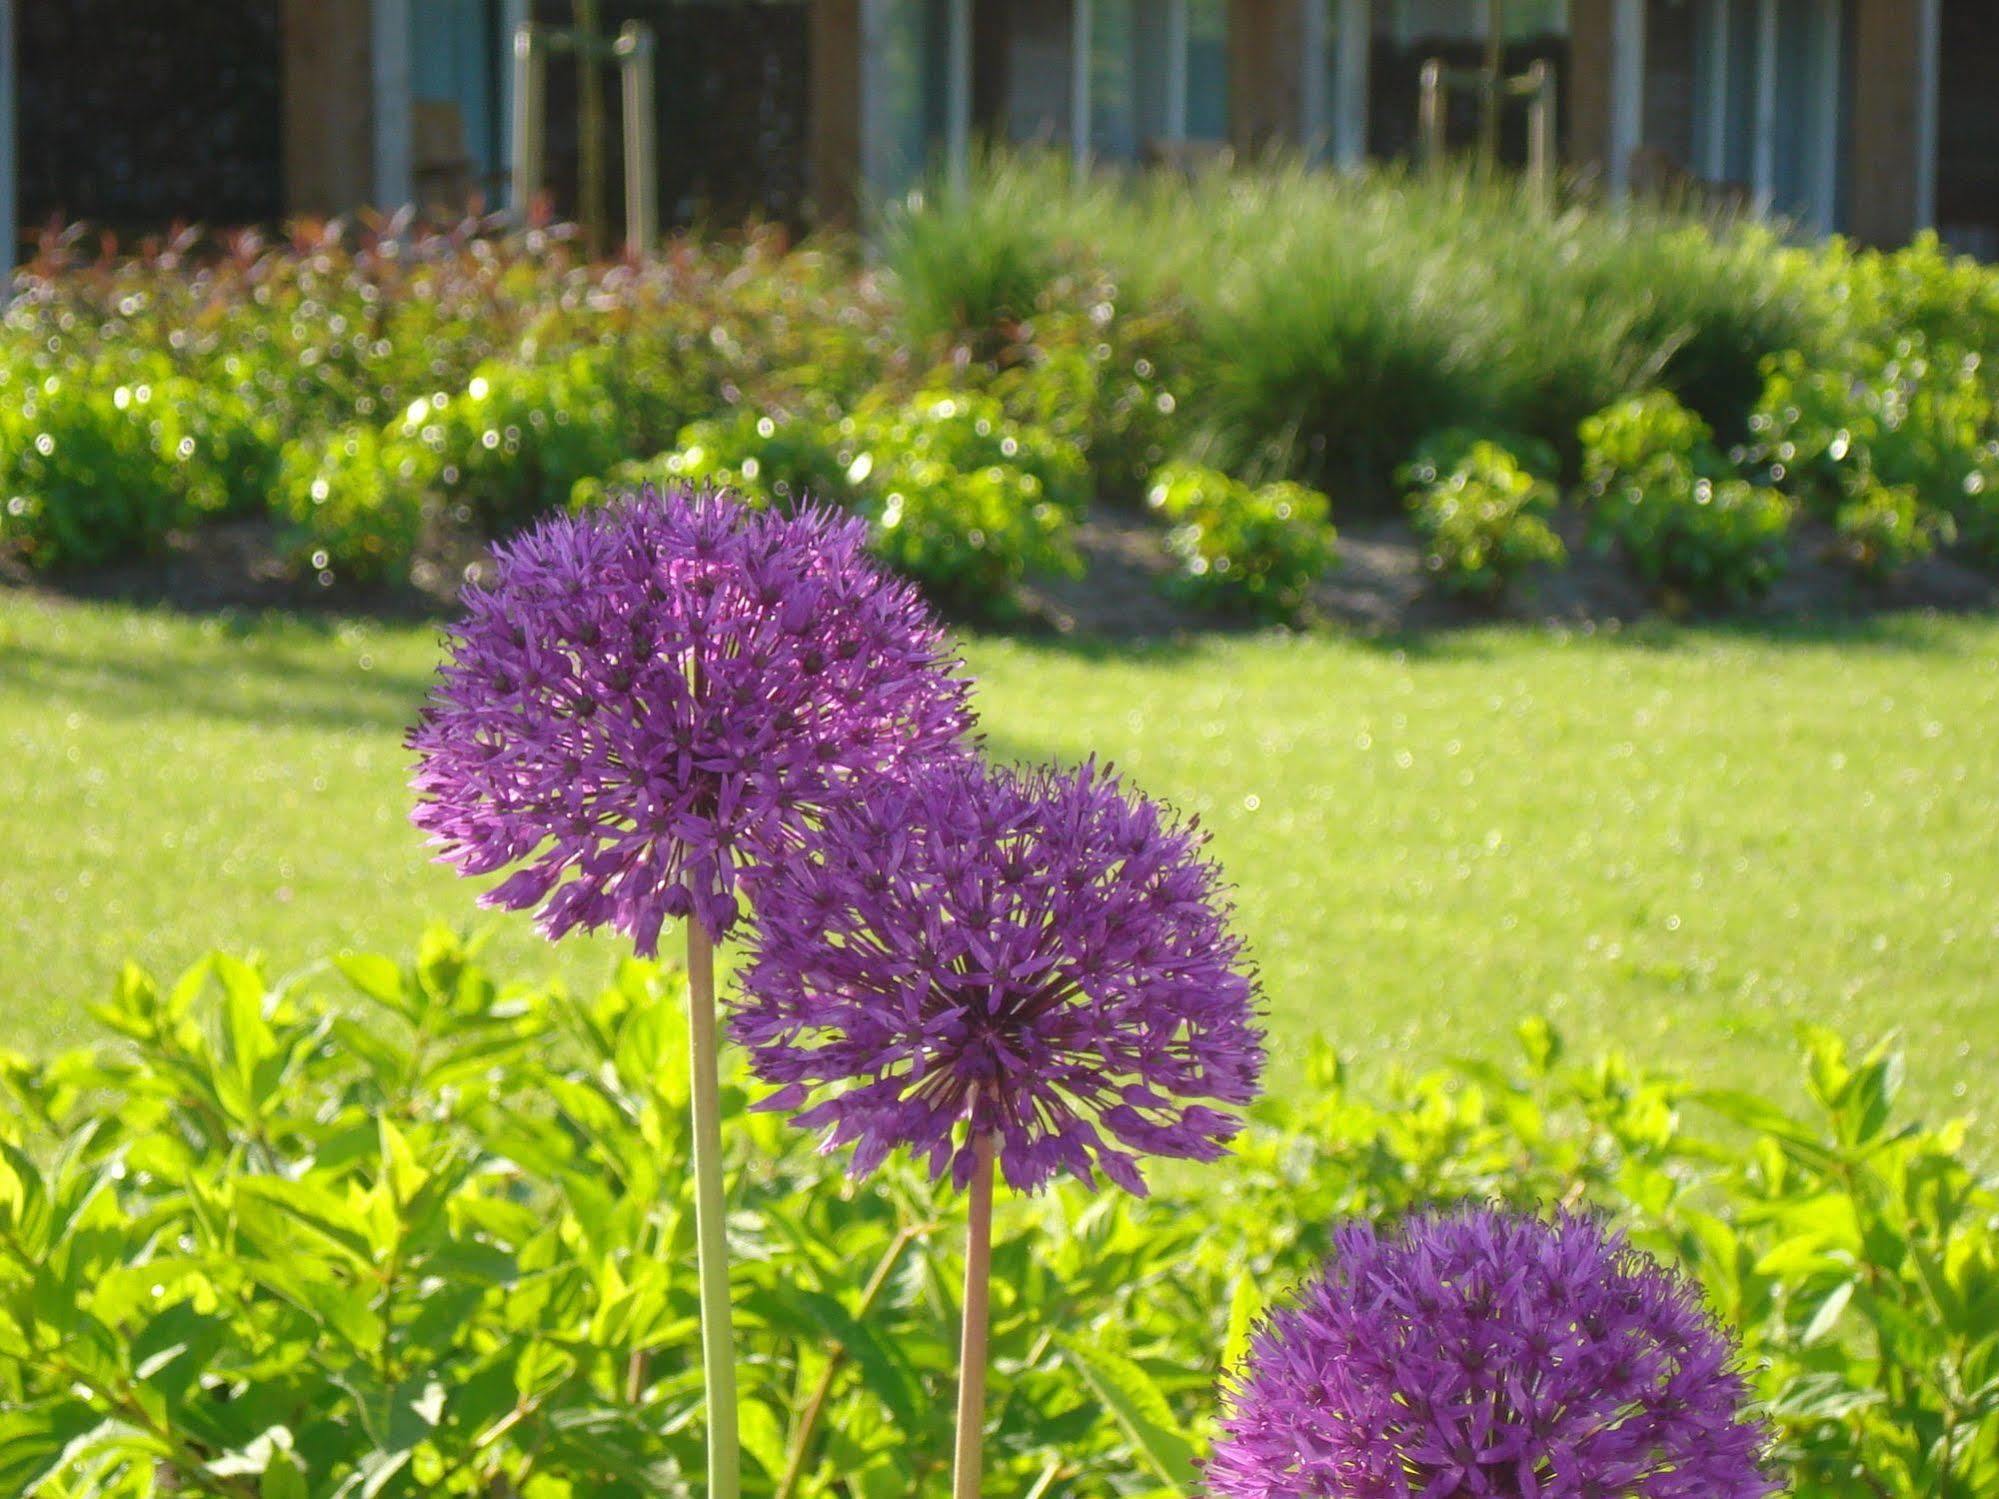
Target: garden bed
(1377,587)
(1582,416)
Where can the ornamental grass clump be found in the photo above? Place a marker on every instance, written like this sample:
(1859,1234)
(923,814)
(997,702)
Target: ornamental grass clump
(987,968)
(646,694)
(1487,1353)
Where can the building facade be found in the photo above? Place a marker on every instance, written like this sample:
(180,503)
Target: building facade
(1871,117)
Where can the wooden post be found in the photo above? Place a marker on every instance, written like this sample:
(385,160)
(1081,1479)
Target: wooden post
(635,66)
(833,124)
(1897,53)
(1541,107)
(530,106)
(1266,105)
(328,81)
(1430,114)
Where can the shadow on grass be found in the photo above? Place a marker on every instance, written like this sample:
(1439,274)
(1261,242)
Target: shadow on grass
(269,670)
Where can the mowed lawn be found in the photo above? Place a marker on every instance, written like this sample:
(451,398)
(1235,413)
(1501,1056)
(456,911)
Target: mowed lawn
(1683,840)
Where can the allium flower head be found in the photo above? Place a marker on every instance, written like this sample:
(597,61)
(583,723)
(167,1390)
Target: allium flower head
(649,689)
(1490,1354)
(1037,956)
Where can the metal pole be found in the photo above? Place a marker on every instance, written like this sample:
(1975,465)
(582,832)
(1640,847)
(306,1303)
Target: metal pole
(1082,34)
(1929,90)
(1489,84)
(1763,171)
(10,223)
(1825,119)
(1714,128)
(1312,79)
(529,103)
(1352,50)
(635,65)
(1176,71)
(958,95)
(389,77)
(1627,91)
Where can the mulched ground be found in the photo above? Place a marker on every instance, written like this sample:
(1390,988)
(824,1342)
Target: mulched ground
(1378,588)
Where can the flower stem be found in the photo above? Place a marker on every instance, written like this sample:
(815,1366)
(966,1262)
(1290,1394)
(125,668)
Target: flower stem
(801,1446)
(718,1339)
(972,1343)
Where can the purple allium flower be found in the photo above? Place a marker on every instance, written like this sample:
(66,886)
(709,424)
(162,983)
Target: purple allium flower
(1039,956)
(1492,1354)
(649,690)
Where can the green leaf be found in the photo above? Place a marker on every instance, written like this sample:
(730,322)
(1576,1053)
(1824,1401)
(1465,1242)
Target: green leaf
(378,978)
(1139,1406)
(1245,1303)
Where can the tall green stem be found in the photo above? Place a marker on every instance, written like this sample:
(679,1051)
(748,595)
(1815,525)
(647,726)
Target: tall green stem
(718,1339)
(801,1446)
(965,1466)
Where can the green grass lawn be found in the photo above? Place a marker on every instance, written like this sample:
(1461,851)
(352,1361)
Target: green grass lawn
(1683,840)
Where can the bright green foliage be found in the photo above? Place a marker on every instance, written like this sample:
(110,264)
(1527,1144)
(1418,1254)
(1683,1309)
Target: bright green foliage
(1921,290)
(514,442)
(1330,322)
(1886,527)
(1666,495)
(1254,550)
(1277,321)
(101,459)
(961,497)
(957,495)
(758,456)
(973,265)
(1923,417)
(1860,1253)
(1481,514)
(1098,371)
(436,1240)
(356,501)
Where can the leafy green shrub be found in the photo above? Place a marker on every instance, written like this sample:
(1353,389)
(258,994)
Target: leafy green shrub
(1922,419)
(1886,527)
(435,1239)
(1253,550)
(355,501)
(961,498)
(1107,379)
(957,496)
(515,441)
(1481,514)
(1663,492)
(763,457)
(101,460)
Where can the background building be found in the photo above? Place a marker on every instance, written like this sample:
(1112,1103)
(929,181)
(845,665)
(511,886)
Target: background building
(1869,116)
